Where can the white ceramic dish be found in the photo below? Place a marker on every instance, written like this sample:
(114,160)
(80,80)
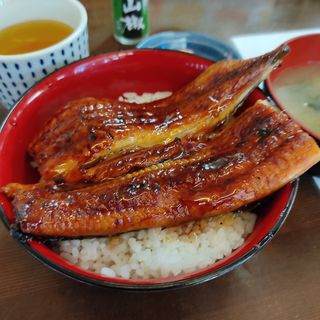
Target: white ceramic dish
(21,71)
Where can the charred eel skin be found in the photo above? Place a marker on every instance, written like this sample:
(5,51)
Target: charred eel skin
(87,138)
(256,154)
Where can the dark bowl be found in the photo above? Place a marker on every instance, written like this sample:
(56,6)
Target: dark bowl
(110,75)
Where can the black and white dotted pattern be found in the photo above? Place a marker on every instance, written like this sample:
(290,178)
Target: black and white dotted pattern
(17,77)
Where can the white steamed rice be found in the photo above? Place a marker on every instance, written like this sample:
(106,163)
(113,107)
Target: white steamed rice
(145,97)
(157,252)
(160,252)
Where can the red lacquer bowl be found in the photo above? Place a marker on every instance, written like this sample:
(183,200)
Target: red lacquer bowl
(110,75)
(303,50)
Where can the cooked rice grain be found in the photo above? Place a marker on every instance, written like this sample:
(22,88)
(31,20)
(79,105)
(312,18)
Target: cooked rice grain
(157,252)
(145,97)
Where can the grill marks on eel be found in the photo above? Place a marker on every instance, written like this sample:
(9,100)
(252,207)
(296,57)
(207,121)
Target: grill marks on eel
(85,138)
(255,155)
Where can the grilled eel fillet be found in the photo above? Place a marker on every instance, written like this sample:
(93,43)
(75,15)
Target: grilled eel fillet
(258,153)
(86,139)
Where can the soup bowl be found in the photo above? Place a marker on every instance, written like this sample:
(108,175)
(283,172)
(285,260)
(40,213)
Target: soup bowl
(19,72)
(304,50)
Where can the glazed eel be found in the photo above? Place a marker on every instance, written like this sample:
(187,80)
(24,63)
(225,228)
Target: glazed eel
(256,154)
(90,140)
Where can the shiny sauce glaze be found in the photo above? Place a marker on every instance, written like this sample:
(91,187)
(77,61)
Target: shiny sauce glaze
(89,131)
(258,153)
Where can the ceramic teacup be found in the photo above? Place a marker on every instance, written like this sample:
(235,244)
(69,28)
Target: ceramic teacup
(19,72)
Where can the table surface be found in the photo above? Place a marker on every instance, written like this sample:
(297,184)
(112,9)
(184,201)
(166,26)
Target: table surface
(281,282)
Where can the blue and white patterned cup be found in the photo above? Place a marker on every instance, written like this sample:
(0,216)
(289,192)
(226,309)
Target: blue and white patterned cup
(21,71)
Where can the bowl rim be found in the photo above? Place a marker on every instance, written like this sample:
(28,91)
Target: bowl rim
(159,286)
(270,88)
